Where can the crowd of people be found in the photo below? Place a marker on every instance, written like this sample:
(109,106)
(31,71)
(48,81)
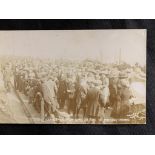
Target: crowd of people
(82,89)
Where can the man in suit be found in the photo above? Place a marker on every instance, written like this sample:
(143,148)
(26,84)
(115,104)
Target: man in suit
(123,95)
(93,104)
(62,91)
(126,95)
(80,97)
(49,90)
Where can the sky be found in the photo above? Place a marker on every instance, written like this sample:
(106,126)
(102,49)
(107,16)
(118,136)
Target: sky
(104,45)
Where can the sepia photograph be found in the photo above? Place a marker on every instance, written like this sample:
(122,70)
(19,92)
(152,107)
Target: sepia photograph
(73,76)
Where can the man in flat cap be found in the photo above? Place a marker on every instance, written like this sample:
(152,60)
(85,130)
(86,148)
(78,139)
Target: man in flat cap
(93,103)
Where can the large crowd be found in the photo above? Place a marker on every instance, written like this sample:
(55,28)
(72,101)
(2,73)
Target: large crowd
(83,89)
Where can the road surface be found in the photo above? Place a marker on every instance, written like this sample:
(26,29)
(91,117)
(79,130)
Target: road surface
(11,110)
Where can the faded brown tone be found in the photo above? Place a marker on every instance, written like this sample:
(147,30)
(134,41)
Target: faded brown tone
(73,77)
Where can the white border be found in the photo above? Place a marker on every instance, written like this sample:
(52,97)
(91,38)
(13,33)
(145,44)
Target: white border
(89,9)
(77,145)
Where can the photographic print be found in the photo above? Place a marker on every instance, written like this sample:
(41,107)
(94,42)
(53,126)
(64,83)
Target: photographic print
(73,76)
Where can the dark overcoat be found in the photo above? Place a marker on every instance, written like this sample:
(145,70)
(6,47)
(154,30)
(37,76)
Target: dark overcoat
(93,105)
